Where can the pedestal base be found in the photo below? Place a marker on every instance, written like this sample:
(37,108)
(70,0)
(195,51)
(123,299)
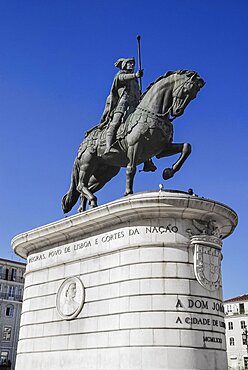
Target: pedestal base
(134,284)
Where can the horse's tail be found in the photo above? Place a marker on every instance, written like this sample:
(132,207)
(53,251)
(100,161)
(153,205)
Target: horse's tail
(71,197)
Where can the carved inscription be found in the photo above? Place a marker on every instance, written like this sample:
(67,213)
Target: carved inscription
(105,239)
(197,313)
(212,339)
(201,303)
(201,321)
(162,229)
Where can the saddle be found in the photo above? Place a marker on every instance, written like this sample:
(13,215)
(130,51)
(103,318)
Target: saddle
(96,137)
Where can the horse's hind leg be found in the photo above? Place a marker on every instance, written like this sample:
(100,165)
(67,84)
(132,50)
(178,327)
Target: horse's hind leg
(101,176)
(87,165)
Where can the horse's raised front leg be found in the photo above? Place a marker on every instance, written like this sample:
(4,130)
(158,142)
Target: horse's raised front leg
(171,149)
(131,168)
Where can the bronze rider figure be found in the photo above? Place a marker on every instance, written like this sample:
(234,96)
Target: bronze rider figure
(123,99)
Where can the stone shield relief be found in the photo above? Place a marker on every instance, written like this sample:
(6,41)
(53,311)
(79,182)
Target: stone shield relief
(207,267)
(70,298)
(207,262)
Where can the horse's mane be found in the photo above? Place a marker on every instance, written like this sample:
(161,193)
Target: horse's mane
(167,74)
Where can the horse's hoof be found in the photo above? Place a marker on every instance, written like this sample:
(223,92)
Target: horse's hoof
(128,193)
(168,173)
(93,203)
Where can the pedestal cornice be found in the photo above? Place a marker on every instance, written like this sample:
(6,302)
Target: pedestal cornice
(159,204)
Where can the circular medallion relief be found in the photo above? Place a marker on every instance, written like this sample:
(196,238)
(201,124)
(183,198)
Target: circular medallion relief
(70,298)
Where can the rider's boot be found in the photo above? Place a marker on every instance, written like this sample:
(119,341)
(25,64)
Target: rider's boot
(109,149)
(111,133)
(109,142)
(149,166)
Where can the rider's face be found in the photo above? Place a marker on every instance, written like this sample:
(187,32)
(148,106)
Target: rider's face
(130,66)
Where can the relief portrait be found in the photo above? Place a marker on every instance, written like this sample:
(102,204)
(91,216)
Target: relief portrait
(70,298)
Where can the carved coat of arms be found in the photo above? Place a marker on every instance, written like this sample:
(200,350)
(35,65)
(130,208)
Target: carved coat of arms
(207,255)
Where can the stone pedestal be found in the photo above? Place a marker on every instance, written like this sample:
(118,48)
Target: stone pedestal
(133,285)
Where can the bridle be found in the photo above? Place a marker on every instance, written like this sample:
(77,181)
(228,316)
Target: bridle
(167,114)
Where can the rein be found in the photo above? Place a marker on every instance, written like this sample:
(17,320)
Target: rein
(162,116)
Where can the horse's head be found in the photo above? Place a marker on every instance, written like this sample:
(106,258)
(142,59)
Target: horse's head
(186,86)
(171,93)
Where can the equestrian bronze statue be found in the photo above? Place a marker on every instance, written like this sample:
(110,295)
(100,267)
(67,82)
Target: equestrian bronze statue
(145,132)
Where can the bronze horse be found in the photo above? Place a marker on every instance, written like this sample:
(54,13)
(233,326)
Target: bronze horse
(147,132)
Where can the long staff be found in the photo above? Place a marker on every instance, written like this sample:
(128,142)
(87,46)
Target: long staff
(139,62)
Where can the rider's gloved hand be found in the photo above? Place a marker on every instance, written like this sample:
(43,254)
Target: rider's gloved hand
(139,73)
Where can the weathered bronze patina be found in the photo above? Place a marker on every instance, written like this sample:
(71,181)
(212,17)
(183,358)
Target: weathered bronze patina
(146,132)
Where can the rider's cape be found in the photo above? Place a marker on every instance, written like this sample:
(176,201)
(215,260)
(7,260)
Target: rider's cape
(115,94)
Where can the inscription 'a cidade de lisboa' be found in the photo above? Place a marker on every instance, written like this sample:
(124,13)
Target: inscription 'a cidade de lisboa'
(106,238)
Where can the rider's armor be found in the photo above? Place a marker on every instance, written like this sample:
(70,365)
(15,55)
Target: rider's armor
(124,98)
(127,89)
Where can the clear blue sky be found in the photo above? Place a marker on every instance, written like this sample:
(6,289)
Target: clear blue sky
(56,69)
